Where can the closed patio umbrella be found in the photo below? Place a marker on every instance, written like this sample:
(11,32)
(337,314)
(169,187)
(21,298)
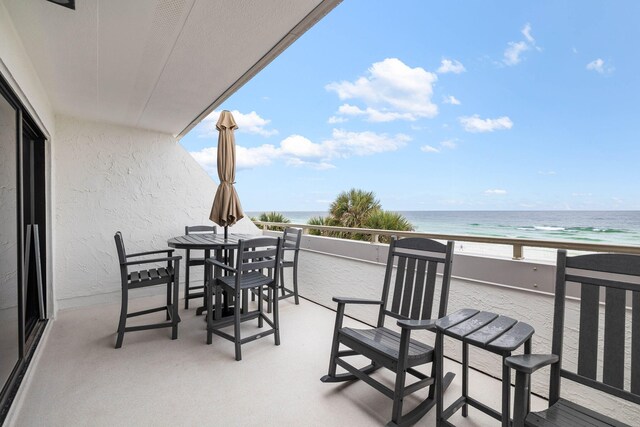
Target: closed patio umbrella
(226,209)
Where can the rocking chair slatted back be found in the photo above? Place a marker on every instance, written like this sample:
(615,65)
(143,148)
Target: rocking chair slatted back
(415,262)
(612,276)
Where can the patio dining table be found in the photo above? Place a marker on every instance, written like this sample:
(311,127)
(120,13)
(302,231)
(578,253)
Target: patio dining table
(209,242)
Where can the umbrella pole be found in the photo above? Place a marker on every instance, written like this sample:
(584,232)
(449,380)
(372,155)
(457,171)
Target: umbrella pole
(225,310)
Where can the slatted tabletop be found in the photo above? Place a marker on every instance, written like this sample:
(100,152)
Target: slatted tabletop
(207,241)
(486,330)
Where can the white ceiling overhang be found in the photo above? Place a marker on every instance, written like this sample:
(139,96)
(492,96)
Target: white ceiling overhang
(161,65)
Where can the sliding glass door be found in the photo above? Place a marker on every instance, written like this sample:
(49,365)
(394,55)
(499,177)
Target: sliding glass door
(23,229)
(9,245)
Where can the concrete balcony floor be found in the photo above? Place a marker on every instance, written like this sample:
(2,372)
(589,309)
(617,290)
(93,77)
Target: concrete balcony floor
(80,379)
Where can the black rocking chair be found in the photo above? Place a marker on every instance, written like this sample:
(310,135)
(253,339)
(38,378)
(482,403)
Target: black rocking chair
(417,261)
(616,277)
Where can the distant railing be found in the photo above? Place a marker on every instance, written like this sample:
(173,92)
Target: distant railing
(516,244)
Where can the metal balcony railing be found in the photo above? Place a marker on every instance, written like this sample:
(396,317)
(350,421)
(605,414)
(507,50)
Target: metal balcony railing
(517,245)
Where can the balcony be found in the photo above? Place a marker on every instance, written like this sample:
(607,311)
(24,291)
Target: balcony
(78,376)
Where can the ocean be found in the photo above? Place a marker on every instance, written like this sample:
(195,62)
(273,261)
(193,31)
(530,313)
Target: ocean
(607,227)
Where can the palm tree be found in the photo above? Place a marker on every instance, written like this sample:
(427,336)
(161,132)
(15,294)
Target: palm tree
(273,217)
(323,220)
(359,209)
(387,220)
(351,208)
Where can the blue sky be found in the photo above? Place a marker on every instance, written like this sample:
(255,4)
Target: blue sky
(441,105)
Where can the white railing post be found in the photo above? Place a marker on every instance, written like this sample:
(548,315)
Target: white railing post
(517,252)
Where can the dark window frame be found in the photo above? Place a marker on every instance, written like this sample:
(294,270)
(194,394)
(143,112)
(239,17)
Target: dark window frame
(27,343)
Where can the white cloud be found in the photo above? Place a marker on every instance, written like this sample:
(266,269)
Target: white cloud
(372,114)
(391,91)
(313,165)
(335,119)
(526,32)
(299,146)
(596,65)
(599,66)
(207,158)
(513,52)
(350,110)
(546,172)
(248,123)
(495,191)
(451,100)
(451,66)
(246,158)
(476,125)
(346,144)
(449,143)
(429,149)
(298,151)
(249,158)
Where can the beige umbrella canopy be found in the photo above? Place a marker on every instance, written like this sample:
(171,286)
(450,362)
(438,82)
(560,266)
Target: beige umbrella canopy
(226,209)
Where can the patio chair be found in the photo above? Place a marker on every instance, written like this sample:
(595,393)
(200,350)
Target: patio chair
(290,243)
(253,258)
(412,304)
(168,275)
(193,262)
(601,360)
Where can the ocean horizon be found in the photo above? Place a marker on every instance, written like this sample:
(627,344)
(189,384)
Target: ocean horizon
(605,227)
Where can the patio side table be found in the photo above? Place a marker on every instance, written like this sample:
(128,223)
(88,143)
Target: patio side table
(489,331)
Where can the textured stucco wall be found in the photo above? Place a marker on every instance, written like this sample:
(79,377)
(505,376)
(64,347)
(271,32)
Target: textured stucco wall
(323,276)
(111,178)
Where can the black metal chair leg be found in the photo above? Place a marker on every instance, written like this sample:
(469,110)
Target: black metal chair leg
(186,284)
(123,317)
(281,286)
(295,284)
(236,329)
(398,397)
(465,377)
(439,359)
(208,304)
(260,308)
(276,318)
(335,345)
(176,294)
(169,298)
(506,393)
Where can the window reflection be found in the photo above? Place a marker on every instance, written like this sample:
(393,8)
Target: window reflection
(9,347)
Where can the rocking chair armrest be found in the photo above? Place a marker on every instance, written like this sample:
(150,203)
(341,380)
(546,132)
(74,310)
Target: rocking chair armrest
(160,251)
(222,265)
(427,324)
(153,260)
(347,300)
(529,363)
